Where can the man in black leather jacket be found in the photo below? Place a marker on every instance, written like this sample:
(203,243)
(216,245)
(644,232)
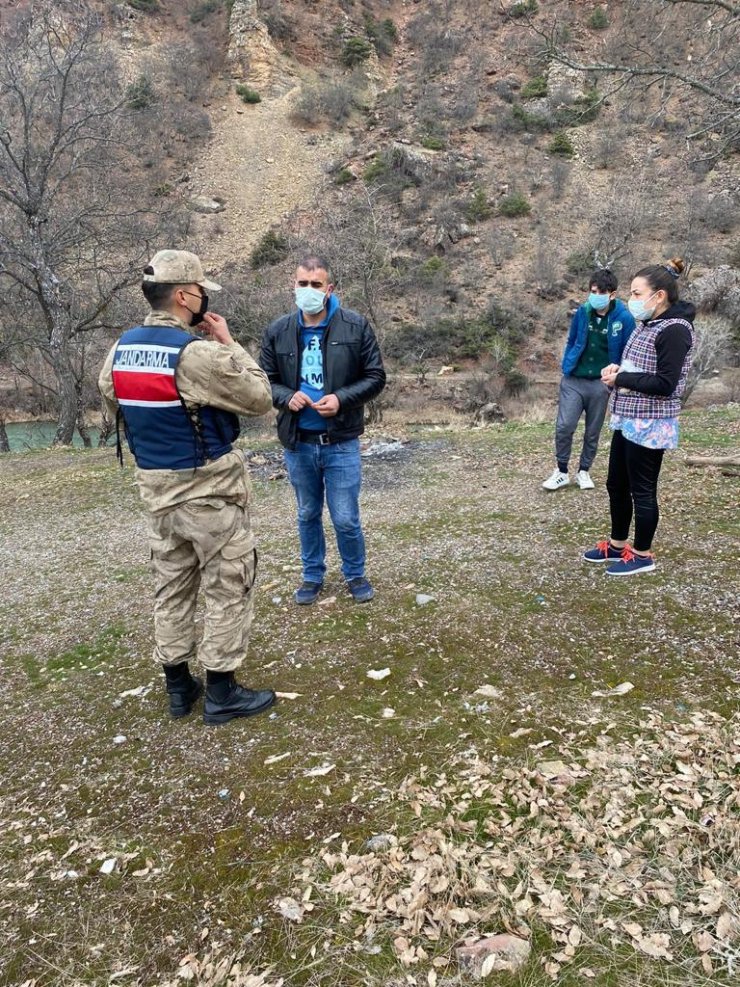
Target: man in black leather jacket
(324,364)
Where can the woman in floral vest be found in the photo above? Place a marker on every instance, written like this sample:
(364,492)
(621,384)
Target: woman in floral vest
(645,403)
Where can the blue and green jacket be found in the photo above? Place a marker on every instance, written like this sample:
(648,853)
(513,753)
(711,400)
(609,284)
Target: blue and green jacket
(620,327)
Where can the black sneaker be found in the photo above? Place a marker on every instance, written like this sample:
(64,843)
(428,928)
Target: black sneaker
(184,697)
(307,593)
(238,702)
(360,589)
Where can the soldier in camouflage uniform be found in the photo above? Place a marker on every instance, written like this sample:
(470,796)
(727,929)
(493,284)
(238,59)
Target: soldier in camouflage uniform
(178,396)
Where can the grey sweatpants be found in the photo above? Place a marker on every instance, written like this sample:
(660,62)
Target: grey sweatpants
(579,394)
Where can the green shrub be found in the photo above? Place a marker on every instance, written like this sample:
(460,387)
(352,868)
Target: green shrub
(383,34)
(514,204)
(561,144)
(515,382)
(433,143)
(141,94)
(146,5)
(375,169)
(524,8)
(248,95)
(585,109)
(580,263)
(598,20)
(199,13)
(535,88)
(356,51)
(479,208)
(343,176)
(272,248)
(432,269)
(521,119)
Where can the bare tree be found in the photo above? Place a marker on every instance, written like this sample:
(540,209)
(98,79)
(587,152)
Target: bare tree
(712,343)
(358,244)
(74,220)
(665,49)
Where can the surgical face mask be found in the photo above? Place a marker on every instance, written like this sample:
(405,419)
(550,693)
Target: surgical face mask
(197,317)
(598,302)
(310,300)
(640,310)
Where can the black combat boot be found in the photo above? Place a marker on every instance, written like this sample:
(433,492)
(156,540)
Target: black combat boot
(226,699)
(183,689)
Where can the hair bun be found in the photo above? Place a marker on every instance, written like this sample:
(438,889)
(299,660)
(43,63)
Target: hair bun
(675,266)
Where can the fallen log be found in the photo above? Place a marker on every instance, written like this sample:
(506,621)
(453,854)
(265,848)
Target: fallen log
(733,460)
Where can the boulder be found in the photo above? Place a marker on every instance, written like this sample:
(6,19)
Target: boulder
(206,204)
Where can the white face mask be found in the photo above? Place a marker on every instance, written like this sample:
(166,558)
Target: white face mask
(310,300)
(640,310)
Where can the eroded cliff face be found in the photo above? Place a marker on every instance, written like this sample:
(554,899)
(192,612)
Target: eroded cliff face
(251,53)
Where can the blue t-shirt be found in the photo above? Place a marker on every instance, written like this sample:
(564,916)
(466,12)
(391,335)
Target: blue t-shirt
(312,367)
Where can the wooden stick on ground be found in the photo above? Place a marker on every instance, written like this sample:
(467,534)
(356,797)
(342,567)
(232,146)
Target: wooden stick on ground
(729,465)
(733,460)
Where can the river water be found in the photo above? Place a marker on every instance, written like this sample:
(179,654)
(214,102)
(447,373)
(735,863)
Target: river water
(39,435)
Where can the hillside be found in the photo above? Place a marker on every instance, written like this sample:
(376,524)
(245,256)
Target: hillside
(462,176)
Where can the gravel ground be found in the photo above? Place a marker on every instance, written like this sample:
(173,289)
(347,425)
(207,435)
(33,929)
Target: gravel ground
(206,827)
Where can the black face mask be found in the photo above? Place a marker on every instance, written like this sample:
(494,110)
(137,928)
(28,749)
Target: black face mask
(197,317)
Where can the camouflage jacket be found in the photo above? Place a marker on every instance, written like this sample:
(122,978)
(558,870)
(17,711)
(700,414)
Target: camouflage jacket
(208,374)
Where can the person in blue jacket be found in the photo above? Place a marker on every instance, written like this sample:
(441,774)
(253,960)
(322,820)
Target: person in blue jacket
(598,334)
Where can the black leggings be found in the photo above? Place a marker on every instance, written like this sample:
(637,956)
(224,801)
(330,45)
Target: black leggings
(633,480)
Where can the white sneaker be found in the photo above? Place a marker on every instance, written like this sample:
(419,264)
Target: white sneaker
(584,481)
(556,481)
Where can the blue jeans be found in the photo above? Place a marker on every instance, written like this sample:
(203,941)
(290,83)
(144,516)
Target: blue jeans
(334,470)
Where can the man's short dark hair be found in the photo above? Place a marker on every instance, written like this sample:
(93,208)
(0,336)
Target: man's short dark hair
(158,295)
(604,280)
(315,262)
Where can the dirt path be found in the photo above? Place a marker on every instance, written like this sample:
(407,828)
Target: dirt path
(260,163)
(262,166)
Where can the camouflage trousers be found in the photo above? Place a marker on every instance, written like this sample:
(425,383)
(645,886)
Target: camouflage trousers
(205,545)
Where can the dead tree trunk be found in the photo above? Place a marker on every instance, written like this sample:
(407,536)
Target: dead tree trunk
(728,465)
(733,460)
(4,442)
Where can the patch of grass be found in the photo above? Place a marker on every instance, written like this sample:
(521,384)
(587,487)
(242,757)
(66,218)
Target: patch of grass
(598,20)
(433,143)
(461,517)
(534,88)
(514,205)
(343,176)
(376,169)
(247,95)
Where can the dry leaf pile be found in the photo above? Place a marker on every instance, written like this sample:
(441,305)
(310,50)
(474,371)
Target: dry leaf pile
(219,971)
(623,842)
